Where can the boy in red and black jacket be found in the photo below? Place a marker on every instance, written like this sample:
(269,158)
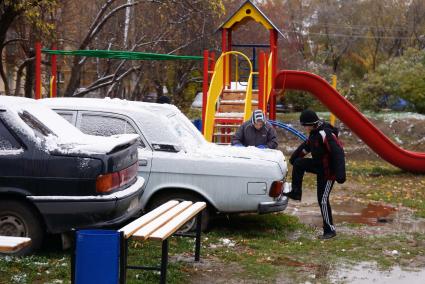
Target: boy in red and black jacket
(327,162)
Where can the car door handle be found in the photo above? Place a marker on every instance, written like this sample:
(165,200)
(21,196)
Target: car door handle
(143,163)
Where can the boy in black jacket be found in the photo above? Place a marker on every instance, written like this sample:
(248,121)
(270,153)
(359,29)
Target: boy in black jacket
(327,162)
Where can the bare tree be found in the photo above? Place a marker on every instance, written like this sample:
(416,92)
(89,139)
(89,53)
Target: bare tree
(30,12)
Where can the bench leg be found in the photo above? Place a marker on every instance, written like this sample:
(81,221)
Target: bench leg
(198,236)
(73,257)
(164,262)
(123,259)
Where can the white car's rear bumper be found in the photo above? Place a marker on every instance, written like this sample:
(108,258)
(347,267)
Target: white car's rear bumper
(273,206)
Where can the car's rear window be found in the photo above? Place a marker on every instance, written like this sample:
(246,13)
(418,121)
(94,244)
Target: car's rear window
(104,125)
(7,140)
(39,128)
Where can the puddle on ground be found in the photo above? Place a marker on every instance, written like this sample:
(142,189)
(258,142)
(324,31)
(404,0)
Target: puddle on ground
(368,273)
(355,212)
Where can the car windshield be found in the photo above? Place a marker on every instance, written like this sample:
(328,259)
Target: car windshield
(187,133)
(170,129)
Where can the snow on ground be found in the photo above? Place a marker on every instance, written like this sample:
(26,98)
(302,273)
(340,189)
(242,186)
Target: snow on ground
(386,116)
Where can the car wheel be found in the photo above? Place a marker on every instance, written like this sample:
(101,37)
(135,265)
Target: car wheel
(19,220)
(182,196)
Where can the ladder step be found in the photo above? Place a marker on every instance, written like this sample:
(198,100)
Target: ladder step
(229,120)
(230,115)
(237,102)
(227,125)
(237,96)
(224,134)
(234,91)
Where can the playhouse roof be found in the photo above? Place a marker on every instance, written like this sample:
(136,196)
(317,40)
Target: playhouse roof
(248,11)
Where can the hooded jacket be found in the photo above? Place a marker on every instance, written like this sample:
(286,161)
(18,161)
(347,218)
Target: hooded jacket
(247,135)
(325,147)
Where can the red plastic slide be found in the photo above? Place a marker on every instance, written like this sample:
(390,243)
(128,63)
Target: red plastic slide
(357,122)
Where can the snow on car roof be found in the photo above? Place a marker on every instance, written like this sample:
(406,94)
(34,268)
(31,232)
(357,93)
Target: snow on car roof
(64,137)
(157,121)
(120,105)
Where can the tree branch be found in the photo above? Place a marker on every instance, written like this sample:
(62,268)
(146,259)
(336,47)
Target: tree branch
(105,84)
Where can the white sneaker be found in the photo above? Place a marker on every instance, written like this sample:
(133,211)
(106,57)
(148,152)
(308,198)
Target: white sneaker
(287,187)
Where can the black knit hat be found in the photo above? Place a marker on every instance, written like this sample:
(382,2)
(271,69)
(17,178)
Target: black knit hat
(163,100)
(308,117)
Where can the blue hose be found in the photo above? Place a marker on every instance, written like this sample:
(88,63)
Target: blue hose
(288,128)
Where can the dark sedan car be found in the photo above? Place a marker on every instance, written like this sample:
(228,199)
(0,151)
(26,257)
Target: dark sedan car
(54,178)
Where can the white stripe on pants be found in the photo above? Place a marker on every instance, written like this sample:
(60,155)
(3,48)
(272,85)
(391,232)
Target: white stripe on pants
(324,204)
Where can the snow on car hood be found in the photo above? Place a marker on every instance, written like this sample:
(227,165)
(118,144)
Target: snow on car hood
(211,150)
(59,135)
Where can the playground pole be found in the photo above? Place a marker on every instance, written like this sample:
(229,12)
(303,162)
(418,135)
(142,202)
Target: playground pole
(261,81)
(53,73)
(212,58)
(38,70)
(223,50)
(273,50)
(332,117)
(205,88)
(266,84)
(229,48)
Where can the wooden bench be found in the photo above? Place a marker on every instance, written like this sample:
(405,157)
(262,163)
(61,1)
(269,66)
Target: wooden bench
(160,224)
(11,244)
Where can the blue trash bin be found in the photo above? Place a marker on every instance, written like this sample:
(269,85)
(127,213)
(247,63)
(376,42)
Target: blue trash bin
(97,256)
(198,124)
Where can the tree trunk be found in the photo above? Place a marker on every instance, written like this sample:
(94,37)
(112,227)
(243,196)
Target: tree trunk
(4,78)
(75,78)
(29,77)
(7,17)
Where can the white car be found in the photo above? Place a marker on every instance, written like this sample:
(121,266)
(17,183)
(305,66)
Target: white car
(178,163)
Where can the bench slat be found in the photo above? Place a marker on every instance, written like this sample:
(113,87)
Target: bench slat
(8,244)
(144,233)
(11,242)
(172,226)
(129,229)
(16,239)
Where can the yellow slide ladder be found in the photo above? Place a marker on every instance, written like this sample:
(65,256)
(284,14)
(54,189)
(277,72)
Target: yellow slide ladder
(217,87)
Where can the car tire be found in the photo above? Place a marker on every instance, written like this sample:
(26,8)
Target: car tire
(18,219)
(181,196)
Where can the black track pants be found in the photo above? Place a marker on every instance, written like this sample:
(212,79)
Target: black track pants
(324,187)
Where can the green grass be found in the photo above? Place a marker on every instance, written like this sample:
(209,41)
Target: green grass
(265,247)
(42,268)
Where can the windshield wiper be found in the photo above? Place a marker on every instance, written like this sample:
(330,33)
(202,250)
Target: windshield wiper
(166,148)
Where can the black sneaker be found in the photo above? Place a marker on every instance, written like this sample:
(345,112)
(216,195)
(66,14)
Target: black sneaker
(292,195)
(327,236)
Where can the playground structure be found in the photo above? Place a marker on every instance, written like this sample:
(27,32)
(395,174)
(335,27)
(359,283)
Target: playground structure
(228,100)
(225,107)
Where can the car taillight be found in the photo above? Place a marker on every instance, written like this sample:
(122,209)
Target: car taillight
(111,181)
(276,189)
